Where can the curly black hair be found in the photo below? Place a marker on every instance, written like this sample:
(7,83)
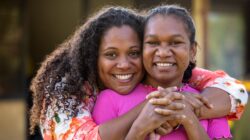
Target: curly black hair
(186,18)
(62,74)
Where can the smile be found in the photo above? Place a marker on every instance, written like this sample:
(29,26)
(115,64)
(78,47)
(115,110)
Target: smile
(164,64)
(123,76)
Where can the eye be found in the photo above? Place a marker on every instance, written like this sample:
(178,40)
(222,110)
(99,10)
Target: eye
(175,43)
(110,55)
(152,43)
(135,53)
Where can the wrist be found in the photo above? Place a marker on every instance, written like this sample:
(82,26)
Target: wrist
(136,132)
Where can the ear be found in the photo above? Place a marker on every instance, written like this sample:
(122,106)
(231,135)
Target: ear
(193,52)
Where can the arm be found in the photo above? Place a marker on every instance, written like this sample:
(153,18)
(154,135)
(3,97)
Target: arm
(220,83)
(105,113)
(192,126)
(64,126)
(141,128)
(82,126)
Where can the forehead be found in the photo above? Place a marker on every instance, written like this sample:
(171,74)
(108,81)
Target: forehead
(121,31)
(165,23)
(119,37)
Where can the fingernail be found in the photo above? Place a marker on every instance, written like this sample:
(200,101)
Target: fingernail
(184,105)
(159,88)
(151,100)
(175,88)
(211,105)
(157,109)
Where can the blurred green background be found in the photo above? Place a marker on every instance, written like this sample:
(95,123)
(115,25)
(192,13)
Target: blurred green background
(31,29)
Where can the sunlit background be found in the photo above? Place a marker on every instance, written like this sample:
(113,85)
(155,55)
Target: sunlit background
(30,29)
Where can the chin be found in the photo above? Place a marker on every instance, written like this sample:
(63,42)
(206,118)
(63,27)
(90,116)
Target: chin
(125,90)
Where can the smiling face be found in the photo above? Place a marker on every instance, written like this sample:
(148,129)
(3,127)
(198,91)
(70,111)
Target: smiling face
(167,51)
(119,60)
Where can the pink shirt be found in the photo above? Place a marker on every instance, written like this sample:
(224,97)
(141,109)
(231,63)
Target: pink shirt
(110,105)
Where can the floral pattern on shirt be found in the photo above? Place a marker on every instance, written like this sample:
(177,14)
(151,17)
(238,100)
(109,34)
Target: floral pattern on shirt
(221,80)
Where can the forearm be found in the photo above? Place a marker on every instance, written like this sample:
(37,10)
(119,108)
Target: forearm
(220,101)
(194,130)
(136,133)
(119,127)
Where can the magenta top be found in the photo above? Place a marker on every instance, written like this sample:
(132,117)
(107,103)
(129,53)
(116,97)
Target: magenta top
(110,105)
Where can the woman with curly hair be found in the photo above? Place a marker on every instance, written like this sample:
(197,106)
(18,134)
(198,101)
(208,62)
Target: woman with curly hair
(66,84)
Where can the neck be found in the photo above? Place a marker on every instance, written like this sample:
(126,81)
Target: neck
(163,84)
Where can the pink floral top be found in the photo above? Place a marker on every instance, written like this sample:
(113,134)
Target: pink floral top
(62,126)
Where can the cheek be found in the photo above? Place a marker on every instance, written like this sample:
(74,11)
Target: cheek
(184,57)
(147,54)
(101,69)
(138,64)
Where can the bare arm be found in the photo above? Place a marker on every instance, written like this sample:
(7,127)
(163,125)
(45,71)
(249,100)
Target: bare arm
(220,101)
(193,127)
(210,82)
(121,125)
(148,120)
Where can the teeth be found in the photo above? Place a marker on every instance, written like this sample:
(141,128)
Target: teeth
(123,76)
(164,64)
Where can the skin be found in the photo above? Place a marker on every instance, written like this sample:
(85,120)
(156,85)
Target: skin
(167,55)
(168,52)
(121,125)
(119,60)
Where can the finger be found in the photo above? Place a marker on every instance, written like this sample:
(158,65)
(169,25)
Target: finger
(160,101)
(176,117)
(195,104)
(164,112)
(175,96)
(197,112)
(176,106)
(167,127)
(157,137)
(154,94)
(162,131)
(161,92)
(152,136)
(205,101)
(193,101)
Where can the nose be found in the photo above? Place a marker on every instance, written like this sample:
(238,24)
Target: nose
(164,51)
(123,63)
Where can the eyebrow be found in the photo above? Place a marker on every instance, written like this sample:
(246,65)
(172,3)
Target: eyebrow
(115,48)
(172,36)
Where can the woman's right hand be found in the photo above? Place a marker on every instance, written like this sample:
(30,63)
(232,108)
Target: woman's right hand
(148,119)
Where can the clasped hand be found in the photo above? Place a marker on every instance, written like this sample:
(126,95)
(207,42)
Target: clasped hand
(170,110)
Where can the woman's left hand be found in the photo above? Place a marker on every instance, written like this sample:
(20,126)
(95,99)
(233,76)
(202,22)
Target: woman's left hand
(197,101)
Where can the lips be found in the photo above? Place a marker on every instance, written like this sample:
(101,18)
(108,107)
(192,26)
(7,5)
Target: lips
(164,66)
(123,76)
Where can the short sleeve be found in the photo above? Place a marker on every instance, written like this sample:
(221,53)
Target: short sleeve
(202,78)
(104,109)
(218,128)
(62,126)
